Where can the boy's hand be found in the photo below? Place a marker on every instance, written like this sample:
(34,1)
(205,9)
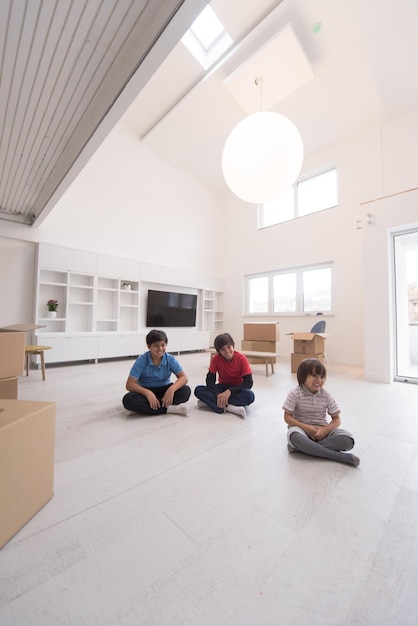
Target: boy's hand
(312,432)
(222,399)
(153,400)
(168,397)
(320,433)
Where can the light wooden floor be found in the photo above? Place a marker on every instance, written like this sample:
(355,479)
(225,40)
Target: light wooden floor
(208,521)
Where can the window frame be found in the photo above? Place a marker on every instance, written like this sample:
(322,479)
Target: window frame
(299,271)
(205,55)
(295,188)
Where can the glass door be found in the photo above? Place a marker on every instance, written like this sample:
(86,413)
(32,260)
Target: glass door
(405,254)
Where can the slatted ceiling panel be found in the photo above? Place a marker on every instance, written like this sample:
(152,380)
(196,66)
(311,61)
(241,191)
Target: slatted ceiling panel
(55,118)
(57,72)
(32,99)
(63,64)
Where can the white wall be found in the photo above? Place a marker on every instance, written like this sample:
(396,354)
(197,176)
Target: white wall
(146,210)
(378,161)
(17,281)
(389,215)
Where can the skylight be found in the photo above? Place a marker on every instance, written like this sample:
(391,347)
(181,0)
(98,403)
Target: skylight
(207,38)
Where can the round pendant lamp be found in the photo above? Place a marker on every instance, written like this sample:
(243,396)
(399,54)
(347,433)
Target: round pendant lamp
(262,157)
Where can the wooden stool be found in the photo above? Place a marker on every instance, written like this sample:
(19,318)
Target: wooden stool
(36,351)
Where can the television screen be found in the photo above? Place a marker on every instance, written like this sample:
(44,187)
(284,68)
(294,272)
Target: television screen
(166,308)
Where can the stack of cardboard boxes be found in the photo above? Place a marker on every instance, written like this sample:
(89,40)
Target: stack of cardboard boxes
(27,443)
(305,346)
(262,337)
(12,357)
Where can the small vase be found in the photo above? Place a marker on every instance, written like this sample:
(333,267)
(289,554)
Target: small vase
(52,314)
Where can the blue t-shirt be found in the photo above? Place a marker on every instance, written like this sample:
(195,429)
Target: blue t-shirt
(149,376)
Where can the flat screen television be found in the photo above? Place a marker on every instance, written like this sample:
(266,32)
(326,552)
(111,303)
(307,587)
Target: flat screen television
(167,309)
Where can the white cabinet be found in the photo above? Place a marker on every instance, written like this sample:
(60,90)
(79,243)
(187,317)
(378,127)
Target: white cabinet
(110,346)
(56,257)
(187,341)
(194,341)
(69,348)
(174,342)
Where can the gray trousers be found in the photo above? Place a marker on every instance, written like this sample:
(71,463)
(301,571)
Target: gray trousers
(331,447)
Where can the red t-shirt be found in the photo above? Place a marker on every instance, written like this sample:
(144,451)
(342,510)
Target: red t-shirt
(230,372)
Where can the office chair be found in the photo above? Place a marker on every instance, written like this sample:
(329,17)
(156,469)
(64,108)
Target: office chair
(319,327)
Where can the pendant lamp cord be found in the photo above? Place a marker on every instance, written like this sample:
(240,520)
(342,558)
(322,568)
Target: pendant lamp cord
(259,82)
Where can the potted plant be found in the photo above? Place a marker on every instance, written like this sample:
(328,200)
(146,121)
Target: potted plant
(52,308)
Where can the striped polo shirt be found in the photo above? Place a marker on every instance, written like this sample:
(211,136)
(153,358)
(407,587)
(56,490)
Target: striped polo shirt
(310,408)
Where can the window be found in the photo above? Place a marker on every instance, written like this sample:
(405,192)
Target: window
(207,39)
(307,196)
(258,290)
(280,209)
(294,292)
(284,293)
(317,193)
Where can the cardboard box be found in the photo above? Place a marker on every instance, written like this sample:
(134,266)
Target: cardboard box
(296,358)
(9,388)
(258,346)
(12,354)
(27,450)
(265,331)
(309,343)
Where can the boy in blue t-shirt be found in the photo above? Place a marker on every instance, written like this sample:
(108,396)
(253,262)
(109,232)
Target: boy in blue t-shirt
(150,390)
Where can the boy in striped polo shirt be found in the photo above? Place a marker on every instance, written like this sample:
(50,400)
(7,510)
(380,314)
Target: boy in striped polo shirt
(305,413)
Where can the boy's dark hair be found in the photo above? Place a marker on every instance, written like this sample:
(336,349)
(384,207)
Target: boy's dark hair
(310,366)
(155,336)
(222,340)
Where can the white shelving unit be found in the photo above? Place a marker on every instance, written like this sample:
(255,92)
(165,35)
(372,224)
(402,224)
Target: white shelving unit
(212,312)
(107,304)
(128,306)
(219,312)
(52,285)
(99,301)
(208,305)
(80,301)
(117,308)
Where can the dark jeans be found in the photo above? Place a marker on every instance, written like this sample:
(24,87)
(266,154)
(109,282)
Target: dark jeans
(139,404)
(244,397)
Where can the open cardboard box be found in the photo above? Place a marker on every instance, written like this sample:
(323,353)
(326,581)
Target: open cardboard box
(310,344)
(27,450)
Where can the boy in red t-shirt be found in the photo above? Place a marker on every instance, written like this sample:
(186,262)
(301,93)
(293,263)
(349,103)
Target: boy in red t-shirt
(232,392)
